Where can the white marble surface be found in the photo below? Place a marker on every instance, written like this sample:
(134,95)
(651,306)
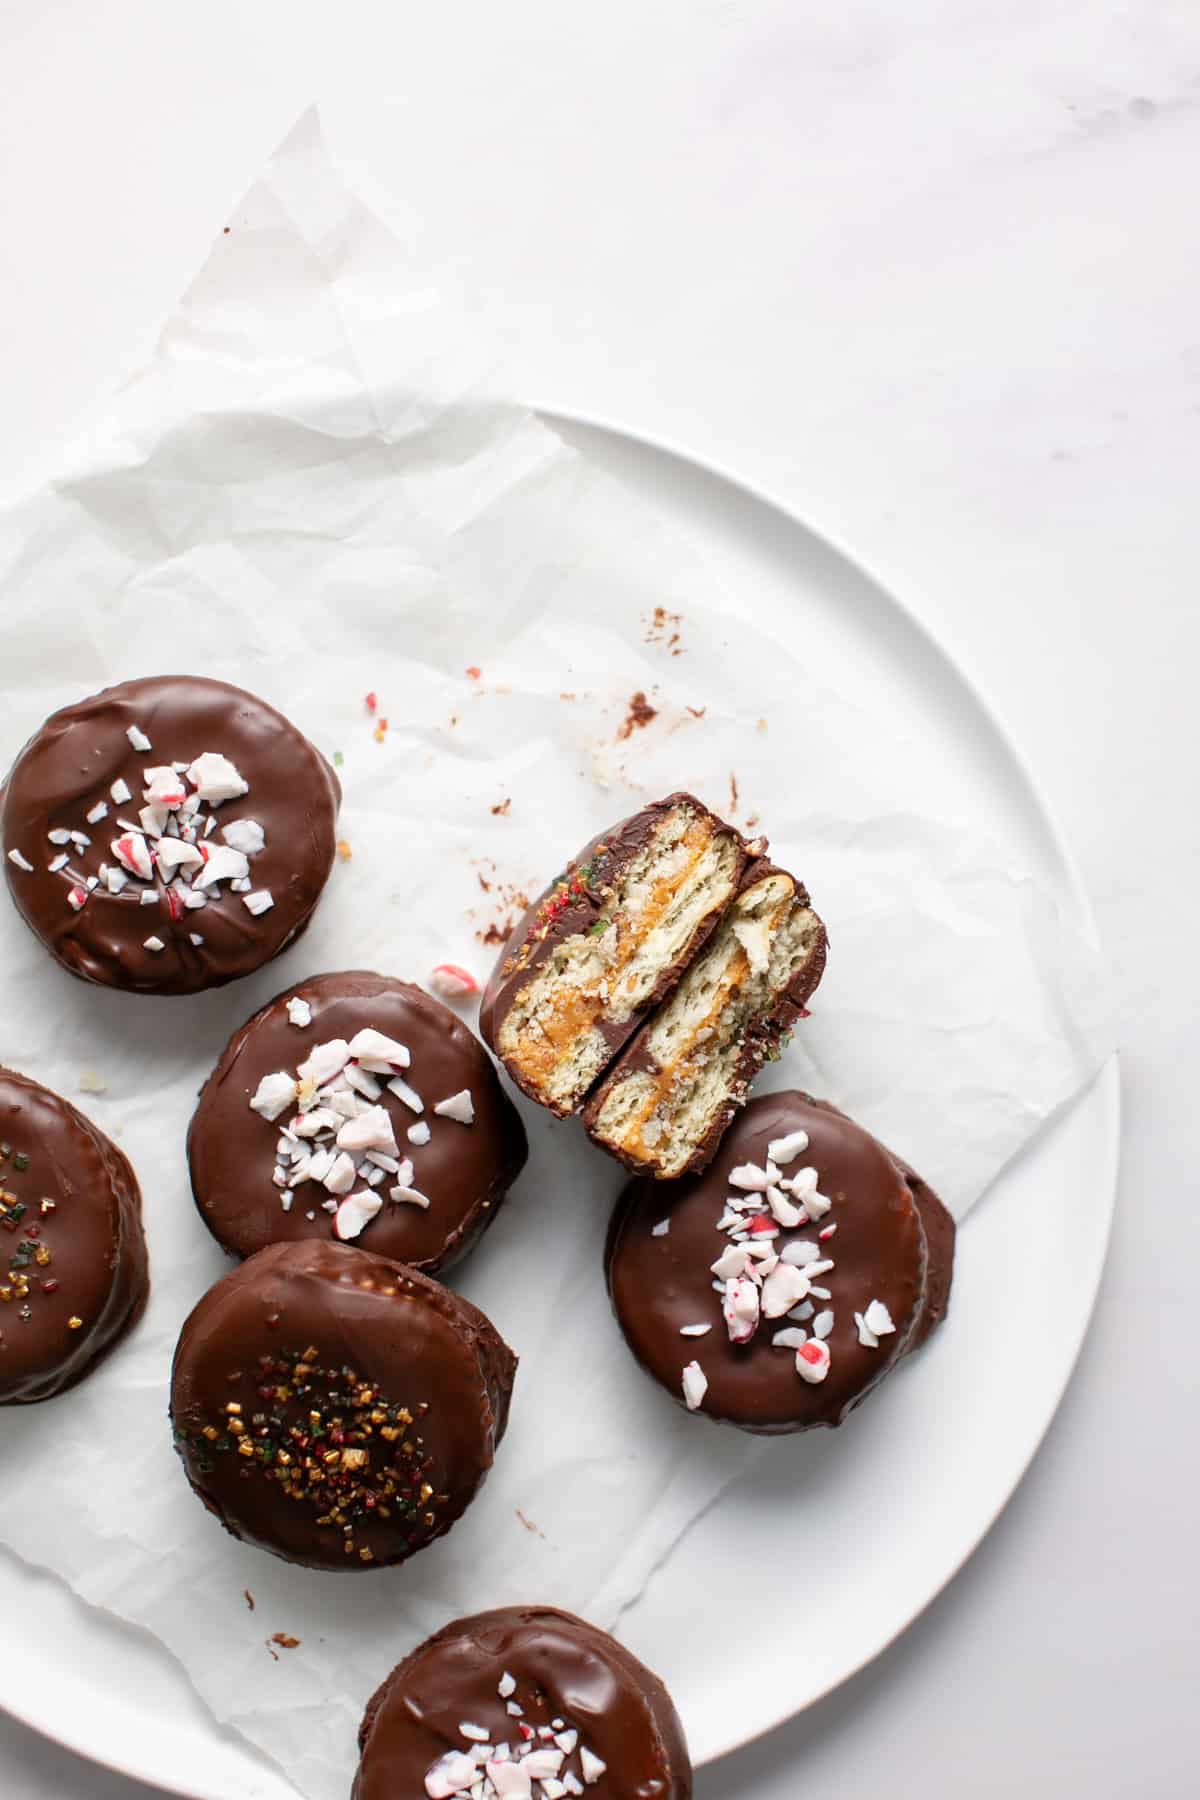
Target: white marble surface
(928,273)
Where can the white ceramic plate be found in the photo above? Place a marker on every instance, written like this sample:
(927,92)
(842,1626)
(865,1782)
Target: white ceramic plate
(873,1520)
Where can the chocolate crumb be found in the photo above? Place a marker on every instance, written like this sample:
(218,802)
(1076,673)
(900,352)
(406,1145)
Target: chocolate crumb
(697,712)
(283,1640)
(529,1525)
(501,808)
(494,934)
(249,1598)
(484,883)
(733,793)
(639,715)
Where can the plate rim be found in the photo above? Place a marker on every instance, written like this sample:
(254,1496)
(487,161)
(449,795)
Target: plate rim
(1103,1093)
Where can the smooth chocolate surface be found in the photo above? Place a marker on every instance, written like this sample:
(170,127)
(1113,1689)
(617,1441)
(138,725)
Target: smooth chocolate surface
(464,1170)
(337,1408)
(562,1669)
(73,1268)
(572,904)
(659,1284)
(70,767)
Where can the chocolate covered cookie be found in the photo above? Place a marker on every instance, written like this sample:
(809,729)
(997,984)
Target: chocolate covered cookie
(525,1703)
(73,1271)
(168,835)
(604,943)
(336,1408)
(356,1107)
(666,1104)
(776,1289)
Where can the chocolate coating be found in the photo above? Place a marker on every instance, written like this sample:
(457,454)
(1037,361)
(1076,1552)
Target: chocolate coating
(71,764)
(373,1400)
(465,1170)
(880,1251)
(567,907)
(81,1257)
(564,1669)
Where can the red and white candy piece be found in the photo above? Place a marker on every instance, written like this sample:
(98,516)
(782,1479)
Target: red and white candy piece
(133,853)
(740,1307)
(452,981)
(451,1774)
(165,788)
(812,1360)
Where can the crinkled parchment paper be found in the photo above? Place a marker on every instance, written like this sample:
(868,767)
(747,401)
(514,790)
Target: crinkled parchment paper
(314,490)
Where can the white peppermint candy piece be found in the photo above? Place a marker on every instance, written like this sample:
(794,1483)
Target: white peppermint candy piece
(817,1205)
(246,835)
(782,1208)
(459,1106)
(540,1763)
(730,1263)
(215,779)
(866,1336)
(340,1178)
(812,1360)
(372,1130)
(591,1765)
(695,1385)
(133,853)
(22,861)
(274,1094)
(740,1307)
(506,1686)
(164,788)
(355,1211)
(511,1780)
(878,1319)
(791,1338)
(787,1149)
(138,738)
(408,1095)
(221,864)
(451,1774)
(260,901)
(299,1012)
(802,1184)
(749,1176)
(404,1195)
(783,1288)
(378,1048)
(172,853)
(324,1061)
(312,1124)
(418,1133)
(121,791)
(823,1324)
(800,1252)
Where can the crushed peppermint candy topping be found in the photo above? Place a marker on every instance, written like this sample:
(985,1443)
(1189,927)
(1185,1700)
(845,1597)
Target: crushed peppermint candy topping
(761,1276)
(535,1765)
(22,862)
(661,1229)
(340,1133)
(167,851)
(695,1385)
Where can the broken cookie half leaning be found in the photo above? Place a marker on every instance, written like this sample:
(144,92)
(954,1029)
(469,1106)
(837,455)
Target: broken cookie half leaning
(650,982)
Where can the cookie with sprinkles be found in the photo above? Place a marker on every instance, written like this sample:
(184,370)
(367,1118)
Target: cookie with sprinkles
(776,1289)
(336,1408)
(356,1107)
(168,835)
(73,1270)
(524,1703)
